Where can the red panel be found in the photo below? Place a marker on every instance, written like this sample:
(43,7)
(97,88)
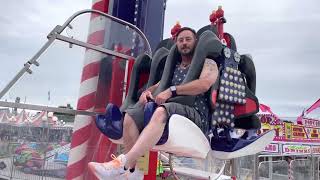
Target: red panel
(101,148)
(249,107)
(152,171)
(93,149)
(143,79)
(214,97)
(117,80)
(130,65)
(101,151)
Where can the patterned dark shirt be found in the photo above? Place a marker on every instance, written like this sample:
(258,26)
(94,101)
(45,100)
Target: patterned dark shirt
(179,75)
(201,103)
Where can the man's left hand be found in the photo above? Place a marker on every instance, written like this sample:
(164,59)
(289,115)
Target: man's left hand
(163,96)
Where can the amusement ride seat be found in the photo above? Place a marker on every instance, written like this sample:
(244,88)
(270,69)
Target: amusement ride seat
(111,123)
(140,69)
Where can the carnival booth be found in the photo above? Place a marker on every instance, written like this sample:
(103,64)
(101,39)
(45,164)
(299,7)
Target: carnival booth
(294,152)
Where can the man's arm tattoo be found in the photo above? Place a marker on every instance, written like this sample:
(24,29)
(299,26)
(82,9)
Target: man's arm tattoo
(210,64)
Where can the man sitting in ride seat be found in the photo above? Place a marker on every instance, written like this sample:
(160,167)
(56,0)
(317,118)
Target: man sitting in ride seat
(138,140)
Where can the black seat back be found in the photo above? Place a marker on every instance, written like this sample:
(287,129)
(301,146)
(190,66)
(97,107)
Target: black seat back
(144,64)
(166,43)
(246,66)
(207,28)
(157,66)
(141,65)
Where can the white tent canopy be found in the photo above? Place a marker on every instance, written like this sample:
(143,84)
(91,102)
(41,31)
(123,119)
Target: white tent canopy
(24,118)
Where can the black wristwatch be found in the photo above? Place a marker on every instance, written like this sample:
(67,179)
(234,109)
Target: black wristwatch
(173,90)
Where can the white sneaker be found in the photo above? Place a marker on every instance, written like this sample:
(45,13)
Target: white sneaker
(109,170)
(136,174)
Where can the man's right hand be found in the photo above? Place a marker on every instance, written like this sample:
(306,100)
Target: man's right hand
(145,96)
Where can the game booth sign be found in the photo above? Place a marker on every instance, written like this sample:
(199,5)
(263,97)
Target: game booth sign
(292,138)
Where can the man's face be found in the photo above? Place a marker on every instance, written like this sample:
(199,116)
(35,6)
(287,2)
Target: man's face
(186,42)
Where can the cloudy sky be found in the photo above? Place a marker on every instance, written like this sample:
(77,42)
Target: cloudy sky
(282,36)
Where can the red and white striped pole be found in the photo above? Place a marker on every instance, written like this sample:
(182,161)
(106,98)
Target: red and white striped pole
(86,139)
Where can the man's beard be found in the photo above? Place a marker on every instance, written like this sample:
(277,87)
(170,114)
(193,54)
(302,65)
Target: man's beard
(188,53)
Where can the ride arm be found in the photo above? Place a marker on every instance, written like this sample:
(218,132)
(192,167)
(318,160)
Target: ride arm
(207,78)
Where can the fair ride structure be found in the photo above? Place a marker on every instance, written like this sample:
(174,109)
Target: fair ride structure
(135,50)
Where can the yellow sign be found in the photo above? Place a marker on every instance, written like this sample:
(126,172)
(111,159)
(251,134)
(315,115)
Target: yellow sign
(143,163)
(298,132)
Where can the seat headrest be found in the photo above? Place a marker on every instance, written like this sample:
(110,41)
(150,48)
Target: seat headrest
(157,66)
(206,28)
(166,43)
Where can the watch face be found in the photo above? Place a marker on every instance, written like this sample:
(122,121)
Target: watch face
(173,90)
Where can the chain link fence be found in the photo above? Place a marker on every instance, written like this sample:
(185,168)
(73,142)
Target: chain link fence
(37,153)
(275,170)
(302,169)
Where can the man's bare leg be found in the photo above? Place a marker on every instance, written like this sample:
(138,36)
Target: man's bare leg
(130,133)
(148,137)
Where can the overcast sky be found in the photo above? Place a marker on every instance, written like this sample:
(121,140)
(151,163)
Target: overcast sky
(282,36)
